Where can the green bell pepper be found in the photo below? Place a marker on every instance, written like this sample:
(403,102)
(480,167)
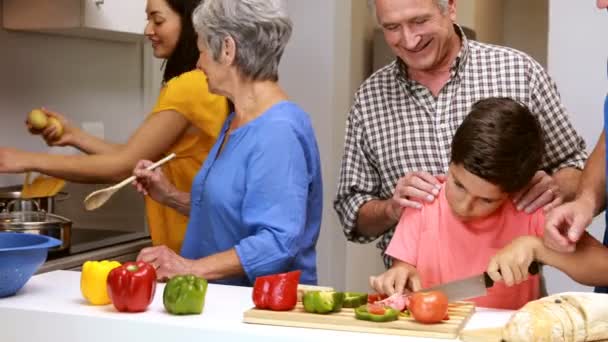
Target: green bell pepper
(322,302)
(354,299)
(389,314)
(184,295)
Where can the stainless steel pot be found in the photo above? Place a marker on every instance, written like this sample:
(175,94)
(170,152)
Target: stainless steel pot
(38,222)
(10,200)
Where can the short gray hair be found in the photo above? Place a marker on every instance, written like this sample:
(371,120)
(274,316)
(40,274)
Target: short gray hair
(260,29)
(443,5)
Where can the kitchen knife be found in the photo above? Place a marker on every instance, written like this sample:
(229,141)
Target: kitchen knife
(471,287)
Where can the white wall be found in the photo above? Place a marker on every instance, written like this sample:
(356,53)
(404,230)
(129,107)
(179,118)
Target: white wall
(324,63)
(578,51)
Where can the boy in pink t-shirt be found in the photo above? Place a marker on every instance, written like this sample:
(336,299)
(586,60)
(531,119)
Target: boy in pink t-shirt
(495,153)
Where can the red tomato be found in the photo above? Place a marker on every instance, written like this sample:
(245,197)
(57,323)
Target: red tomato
(429,307)
(374,297)
(376,309)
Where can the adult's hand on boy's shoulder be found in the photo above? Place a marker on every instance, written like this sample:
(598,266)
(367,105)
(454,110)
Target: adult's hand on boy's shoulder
(400,278)
(542,192)
(565,225)
(511,263)
(413,189)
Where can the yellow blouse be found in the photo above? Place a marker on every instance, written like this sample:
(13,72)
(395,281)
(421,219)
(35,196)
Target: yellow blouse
(188,95)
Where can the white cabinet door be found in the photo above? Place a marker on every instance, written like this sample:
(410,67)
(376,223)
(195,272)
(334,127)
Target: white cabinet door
(100,19)
(126,16)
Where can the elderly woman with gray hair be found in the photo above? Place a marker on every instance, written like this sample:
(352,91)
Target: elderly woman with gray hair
(255,206)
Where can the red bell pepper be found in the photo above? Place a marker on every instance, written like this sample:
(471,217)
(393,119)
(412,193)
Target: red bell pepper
(278,292)
(131,286)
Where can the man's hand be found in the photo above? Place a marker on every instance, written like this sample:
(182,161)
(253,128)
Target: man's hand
(413,189)
(566,223)
(400,278)
(542,192)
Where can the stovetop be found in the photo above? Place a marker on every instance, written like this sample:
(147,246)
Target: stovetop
(84,240)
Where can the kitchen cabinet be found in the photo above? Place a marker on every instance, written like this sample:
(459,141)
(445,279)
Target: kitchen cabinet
(520,24)
(100,19)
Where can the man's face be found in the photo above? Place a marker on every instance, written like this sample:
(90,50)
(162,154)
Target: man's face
(471,197)
(417,31)
(602,4)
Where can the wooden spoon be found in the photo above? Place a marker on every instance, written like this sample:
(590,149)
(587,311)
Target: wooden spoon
(97,198)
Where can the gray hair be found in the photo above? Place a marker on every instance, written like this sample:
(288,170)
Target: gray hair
(443,5)
(260,29)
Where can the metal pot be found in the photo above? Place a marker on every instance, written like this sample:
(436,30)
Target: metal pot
(10,200)
(38,222)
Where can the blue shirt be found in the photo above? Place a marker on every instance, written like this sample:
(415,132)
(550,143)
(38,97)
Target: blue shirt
(262,195)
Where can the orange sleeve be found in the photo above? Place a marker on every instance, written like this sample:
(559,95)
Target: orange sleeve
(538,223)
(404,244)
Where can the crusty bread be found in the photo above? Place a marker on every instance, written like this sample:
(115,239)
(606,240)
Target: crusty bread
(571,316)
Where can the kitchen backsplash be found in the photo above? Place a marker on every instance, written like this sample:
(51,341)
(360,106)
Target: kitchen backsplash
(95,83)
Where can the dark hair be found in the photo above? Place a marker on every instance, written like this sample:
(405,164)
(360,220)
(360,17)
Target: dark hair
(500,141)
(185,55)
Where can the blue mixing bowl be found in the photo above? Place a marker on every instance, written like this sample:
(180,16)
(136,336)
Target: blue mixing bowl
(21,255)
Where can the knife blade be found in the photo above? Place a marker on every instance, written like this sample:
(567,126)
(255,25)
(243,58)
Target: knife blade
(471,287)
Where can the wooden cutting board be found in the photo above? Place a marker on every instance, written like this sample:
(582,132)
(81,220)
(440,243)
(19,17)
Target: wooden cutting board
(459,313)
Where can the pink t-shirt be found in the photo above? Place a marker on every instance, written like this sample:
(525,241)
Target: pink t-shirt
(443,248)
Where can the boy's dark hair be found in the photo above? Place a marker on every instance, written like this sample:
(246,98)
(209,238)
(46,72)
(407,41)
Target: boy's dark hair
(185,55)
(500,141)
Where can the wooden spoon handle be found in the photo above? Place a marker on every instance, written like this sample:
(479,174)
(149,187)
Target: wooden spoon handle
(149,168)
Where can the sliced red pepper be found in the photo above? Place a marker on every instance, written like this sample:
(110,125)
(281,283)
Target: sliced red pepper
(278,292)
(375,297)
(131,286)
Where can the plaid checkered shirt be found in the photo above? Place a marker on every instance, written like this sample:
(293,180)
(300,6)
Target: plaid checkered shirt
(396,125)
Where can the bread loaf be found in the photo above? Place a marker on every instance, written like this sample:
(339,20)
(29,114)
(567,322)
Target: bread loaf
(570,316)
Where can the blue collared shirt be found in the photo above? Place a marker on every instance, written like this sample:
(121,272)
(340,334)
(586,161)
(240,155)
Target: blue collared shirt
(262,195)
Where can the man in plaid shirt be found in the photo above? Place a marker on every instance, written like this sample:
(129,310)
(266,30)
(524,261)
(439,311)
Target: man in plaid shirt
(401,123)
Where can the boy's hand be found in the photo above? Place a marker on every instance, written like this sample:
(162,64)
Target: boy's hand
(511,263)
(400,278)
(565,225)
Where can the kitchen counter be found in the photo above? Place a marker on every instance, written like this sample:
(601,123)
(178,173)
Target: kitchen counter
(51,308)
(123,251)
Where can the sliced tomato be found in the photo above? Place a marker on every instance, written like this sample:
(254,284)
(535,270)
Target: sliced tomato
(375,297)
(376,309)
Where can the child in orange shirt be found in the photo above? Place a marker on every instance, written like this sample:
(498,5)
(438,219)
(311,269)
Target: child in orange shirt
(495,153)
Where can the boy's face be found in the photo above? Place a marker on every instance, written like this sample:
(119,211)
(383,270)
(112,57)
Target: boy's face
(471,197)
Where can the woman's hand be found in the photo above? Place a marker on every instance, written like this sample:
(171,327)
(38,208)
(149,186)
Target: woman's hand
(400,278)
(13,161)
(166,262)
(152,183)
(51,135)
(511,263)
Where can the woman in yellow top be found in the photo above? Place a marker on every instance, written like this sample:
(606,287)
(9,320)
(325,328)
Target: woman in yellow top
(186,120)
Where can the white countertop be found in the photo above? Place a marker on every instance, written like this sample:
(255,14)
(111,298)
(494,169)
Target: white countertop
(51,308)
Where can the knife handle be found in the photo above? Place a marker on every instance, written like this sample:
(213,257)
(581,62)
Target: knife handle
(533,269)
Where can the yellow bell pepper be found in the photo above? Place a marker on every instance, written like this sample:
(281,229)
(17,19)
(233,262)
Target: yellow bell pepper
(93,281)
